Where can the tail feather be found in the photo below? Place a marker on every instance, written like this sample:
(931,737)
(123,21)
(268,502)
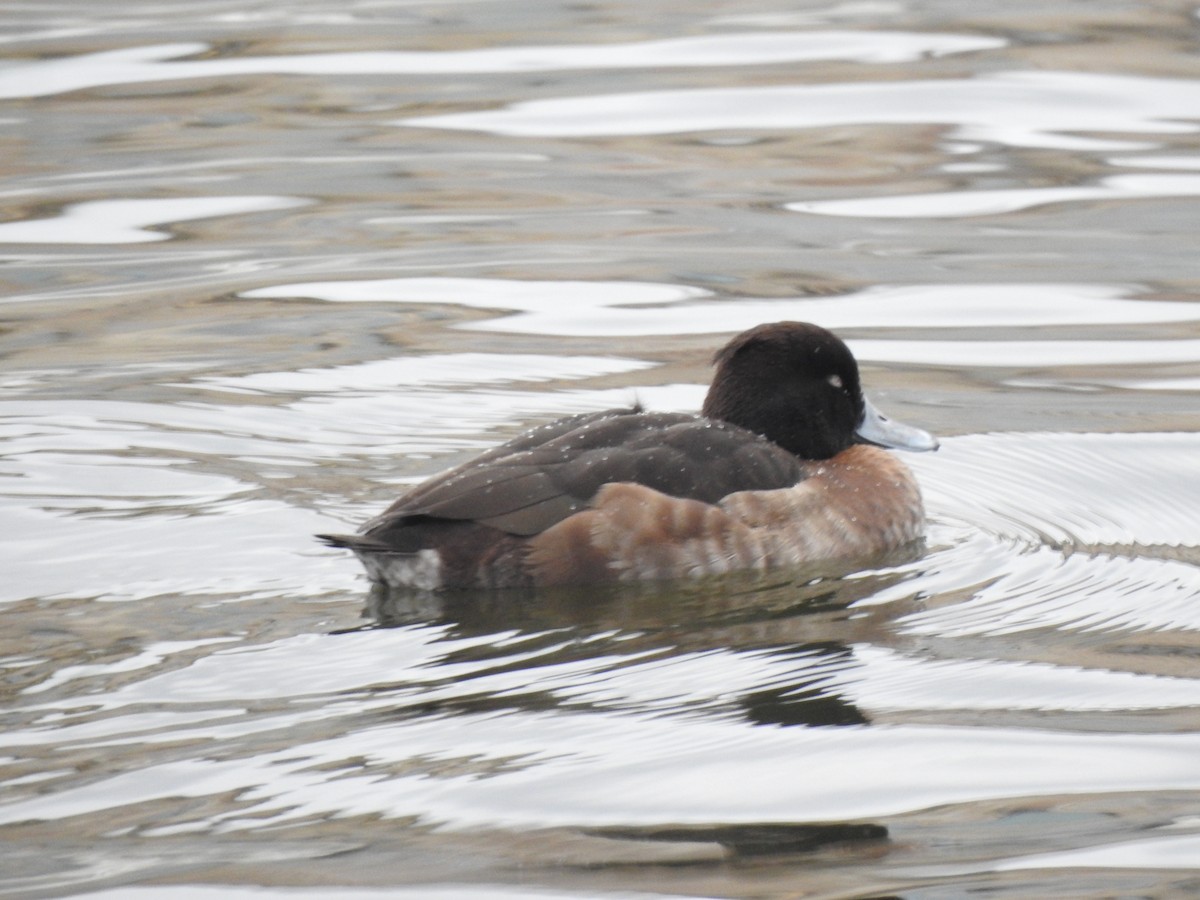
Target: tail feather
(356,542)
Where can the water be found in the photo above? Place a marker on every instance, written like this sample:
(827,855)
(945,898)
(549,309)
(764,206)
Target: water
(266,263)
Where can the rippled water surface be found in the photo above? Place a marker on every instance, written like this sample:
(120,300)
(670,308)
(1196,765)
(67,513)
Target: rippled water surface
(265,263)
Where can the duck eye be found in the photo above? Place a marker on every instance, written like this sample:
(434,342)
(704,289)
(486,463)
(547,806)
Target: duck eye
(836,381)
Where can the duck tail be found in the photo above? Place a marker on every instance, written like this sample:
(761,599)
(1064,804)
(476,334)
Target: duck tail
(356,542)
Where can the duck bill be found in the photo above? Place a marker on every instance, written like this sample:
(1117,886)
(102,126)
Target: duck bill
(876,428)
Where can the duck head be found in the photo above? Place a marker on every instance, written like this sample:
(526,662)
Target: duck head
(798,385)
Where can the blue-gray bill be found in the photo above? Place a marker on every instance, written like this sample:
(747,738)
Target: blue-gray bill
(876,428)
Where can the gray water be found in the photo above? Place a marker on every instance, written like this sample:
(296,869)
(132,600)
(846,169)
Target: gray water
(264,264)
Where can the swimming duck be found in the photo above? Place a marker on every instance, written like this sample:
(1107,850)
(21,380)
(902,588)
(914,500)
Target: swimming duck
(784,466)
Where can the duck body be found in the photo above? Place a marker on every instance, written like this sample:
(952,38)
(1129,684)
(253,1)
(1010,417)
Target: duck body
(774,473)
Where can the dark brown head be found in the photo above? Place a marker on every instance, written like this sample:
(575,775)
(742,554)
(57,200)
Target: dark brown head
(797,385)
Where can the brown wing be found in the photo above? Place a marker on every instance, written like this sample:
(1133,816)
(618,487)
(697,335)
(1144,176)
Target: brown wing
(543,476)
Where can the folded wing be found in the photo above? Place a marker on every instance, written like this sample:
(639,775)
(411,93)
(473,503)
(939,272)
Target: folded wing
(542,477)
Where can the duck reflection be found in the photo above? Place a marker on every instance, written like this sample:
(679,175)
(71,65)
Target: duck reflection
(757,839)
(805,704)
(804,627)
(796,629)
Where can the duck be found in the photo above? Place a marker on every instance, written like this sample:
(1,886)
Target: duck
(786,464)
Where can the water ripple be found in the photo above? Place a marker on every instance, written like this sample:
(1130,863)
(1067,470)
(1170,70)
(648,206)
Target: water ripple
(149,64)
(1015,109)
(541,770)
(955,204)
(128,221)
(1088,492)
(1087,532)
(635,308)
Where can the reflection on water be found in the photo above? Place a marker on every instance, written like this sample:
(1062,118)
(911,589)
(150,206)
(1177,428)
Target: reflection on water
(126,221)
(1015,109)
(358,244)
(625,309)
(986,203)
(746,48)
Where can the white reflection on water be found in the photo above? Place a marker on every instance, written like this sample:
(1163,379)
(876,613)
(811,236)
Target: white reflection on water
(1155,162)
(542,769)
(394,892)
(1043,590)
(988,203)
(435,422)
(394,669)
(128,221)
(1075,490)
(225,548)
(434,369)
(150,656)
(635,308)
(1075,532)
(1156,384)
(882,679)
(584,302)
(1176,851)
(111,483)
(147,64)
(1017,109)
(1023,354)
